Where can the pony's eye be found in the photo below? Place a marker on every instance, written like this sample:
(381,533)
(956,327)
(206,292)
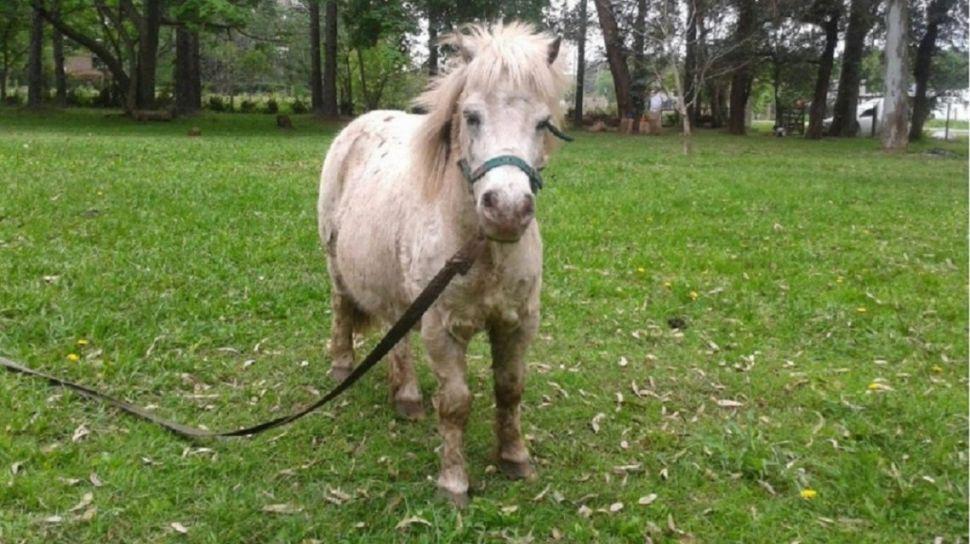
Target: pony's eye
(543,124)
(473,119)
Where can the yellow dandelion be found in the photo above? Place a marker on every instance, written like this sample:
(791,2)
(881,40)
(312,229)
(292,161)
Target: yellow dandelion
(693,295)
(808,493)
(82,342)
(667,284)
(73,357)
(861,310)
(641,269)
(937,369)
(839,279)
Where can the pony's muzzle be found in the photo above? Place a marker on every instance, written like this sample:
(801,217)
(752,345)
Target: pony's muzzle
(505,216)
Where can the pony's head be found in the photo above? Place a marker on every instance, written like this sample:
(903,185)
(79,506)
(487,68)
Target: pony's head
(496,99)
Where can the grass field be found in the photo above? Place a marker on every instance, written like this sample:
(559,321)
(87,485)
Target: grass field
(816,392)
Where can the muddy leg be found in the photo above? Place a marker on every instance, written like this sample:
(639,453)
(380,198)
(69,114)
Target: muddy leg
(341,337)
(508,369)
(405,392)
(453,401)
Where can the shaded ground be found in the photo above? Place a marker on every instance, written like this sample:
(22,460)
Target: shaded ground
(757,322)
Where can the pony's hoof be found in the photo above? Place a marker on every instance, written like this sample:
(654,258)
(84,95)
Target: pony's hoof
(458,500)
(340,373)
(411,410)
(518,471)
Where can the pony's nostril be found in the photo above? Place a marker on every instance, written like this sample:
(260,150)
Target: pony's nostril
(489,199)
(529,206)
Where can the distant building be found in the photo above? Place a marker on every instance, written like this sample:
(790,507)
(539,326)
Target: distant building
(84,68)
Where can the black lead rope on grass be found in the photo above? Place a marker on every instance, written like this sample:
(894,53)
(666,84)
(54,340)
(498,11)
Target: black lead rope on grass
(460,263)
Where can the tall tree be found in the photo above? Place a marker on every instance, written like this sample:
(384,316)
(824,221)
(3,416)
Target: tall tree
(844,117)
(690,60)
(330,61)
(743,75)
(149,23)
(188,71)
(35,72)
(616,56)
(937,15)
(316,78)
(60,77)
(638,88)
(830,12)
(14,17)
(895,105)
(580,63)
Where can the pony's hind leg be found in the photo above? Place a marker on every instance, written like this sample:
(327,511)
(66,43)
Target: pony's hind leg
(342,336)
(405,391)
(508,368)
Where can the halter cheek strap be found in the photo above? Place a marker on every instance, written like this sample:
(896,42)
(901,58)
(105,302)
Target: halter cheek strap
(535,180)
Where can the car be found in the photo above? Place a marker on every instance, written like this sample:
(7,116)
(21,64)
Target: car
(865,113)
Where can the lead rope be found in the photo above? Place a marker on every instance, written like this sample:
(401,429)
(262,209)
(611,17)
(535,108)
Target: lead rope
(459,263)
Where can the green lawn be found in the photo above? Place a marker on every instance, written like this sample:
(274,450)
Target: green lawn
(823,286)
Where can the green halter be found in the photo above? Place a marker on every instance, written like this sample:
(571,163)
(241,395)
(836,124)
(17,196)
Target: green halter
(535,180)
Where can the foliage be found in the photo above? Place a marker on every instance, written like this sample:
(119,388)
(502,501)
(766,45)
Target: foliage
(821,287)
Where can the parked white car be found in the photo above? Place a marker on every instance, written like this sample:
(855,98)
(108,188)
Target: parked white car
(864,114)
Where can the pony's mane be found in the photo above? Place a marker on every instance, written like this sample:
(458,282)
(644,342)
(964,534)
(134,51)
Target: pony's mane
(505,54)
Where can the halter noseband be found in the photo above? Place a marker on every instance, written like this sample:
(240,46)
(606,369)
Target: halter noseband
(535,180)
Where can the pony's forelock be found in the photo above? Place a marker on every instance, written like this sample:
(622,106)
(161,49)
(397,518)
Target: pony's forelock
(505,54)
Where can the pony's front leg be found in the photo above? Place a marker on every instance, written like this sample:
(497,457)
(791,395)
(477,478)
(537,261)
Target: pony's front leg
(509,344)
(453,401)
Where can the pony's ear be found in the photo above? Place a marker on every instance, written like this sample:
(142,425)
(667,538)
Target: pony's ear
(554,50)
(460,42)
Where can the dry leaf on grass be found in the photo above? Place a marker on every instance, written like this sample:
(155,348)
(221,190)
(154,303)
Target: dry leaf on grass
(647,499)
(595,423)
(80,433)
(95,480)
(179,528)
(284,508)
(728,403)
(411,520)
(85,501)
(584,511)
(616,507)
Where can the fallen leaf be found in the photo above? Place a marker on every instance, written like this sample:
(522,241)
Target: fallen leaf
(411,520)
(647,499)
(624,361)
(284,508)
(53,519)
(728,403)
(179,528)
(595,423)
(95,481)
(509,509)
(15,468)
(80,433)
(88,514)
(85,501)
(585,511)
(616,507)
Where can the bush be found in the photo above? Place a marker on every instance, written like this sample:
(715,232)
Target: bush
(299,106)
(272,106)
(216,103)
(247,106)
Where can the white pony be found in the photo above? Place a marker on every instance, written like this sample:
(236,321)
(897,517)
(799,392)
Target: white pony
(398,197)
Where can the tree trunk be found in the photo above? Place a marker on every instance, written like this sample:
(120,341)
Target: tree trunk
(895,106)
(347,93)
(845,115)
(148,54)
(936,13)
(816,115)
(616,58)
(639,86)
(60,78)
(316,78)
(35,72)
(743,73)
(330,61)
(433,38)
(114,64)
(580,66)
(188,79)
(690,63)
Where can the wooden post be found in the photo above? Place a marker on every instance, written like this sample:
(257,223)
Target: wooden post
(946,127)
(875,119)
